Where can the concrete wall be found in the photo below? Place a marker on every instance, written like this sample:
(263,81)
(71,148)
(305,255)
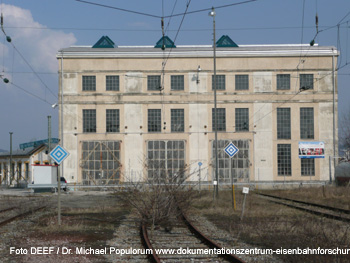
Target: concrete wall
(133,100)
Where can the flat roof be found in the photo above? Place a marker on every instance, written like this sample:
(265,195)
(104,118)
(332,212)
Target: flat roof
(198,51)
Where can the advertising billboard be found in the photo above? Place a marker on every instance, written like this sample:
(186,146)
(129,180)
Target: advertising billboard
(311,149)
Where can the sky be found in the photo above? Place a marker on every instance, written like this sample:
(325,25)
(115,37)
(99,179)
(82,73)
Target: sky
(39,28)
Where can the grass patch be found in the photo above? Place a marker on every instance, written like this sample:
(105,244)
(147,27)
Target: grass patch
(269,225)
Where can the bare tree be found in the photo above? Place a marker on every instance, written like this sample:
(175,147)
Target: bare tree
(160,198)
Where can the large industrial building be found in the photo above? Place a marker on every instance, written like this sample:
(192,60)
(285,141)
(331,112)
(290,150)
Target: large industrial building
(133,113)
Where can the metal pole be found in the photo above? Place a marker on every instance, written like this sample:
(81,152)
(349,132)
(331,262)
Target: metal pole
(216,182)
(243,206)
(11,170)
(49,135)
(199,178)
(61,167)
(330,169)
(333,81)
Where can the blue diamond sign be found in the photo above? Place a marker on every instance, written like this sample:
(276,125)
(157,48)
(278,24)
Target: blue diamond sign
(59,154)
(231,149)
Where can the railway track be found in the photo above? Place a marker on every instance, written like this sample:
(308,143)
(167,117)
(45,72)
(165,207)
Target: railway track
(317,209)
(184,243)
(14,215)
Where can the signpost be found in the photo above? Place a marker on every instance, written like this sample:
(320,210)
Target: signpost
(245,191)
(231,150)
(59,154)
(199,175)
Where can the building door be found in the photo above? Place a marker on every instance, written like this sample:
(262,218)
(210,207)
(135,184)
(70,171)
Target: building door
(236,168)
(166,161)
(100,162)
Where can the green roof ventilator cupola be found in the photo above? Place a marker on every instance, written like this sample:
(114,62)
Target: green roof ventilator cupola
(225,41)
(165,42)
(104,42)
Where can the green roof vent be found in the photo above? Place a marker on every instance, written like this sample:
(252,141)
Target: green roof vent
(104,42)
(225,41)
(165,42)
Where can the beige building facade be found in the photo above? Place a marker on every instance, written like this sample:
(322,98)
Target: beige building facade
(137,113)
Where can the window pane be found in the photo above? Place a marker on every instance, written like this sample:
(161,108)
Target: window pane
(112,83)
(308,167)
(306,123)
(89,83)
(242,82)
(306,81)
(177,120)
(112,120)
(221,119)
(177,82)
(220,82)
(284,160)
(89,120)
(235,168)
(283,123)
(100,164)
(283,81)
(166,163)
(153,83)
(154,120)
(242,119)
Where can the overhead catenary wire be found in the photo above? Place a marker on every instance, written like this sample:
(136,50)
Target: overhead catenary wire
(173,30)
(24,59)
(169,16)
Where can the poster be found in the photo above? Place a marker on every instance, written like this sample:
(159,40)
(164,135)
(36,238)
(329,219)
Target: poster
(311,149)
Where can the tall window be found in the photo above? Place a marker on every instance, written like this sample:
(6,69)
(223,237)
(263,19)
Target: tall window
(308,167)
(89,120)
(112,83)
(177,120)
(221,119)
(284,159)
(306,81)
(242,119)
(177,82)
(220,82)
(306,123)
(283,81)
(283,123)
(89,83)
(242,82)
(153,82)
(154,120)
(112,120)
(165,160)
(235,168)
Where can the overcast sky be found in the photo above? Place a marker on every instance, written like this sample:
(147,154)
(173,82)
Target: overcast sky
(39,28)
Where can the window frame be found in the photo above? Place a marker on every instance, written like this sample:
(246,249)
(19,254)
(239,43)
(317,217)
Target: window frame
(152,81)
(89,113)
(281,81)
(306,79)
(177,82)
(109,121)
(157,123)
(177,113)
(240,83)
(111,83)
(86,86)
(220,82)
(284,165)
(305,163)
(221,112)
(307,126)
(241,117)
(284,128)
